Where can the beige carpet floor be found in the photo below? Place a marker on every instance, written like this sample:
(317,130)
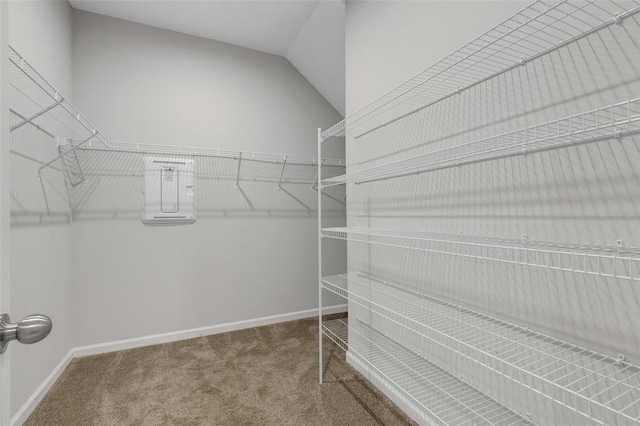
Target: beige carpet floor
(260,376)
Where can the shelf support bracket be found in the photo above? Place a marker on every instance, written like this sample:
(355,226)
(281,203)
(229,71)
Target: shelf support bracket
(617,18)
(77,161)
(238,172)
(59,100)
(282,173)
(36,125)
(313,184)
(72,150)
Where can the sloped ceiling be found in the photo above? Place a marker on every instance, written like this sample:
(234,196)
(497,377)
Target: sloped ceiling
(309,33)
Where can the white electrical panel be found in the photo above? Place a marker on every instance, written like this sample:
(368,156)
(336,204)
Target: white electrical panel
(169,192)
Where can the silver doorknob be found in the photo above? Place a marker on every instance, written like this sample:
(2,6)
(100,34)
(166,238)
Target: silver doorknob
(31,329)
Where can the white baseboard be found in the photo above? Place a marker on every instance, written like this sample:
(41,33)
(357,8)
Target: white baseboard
(201,331)
(385,387)
(26,410)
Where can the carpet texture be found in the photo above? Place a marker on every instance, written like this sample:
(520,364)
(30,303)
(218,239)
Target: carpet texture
(259,376)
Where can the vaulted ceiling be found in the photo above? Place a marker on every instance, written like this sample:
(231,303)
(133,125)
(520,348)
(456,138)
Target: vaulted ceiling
(309,33)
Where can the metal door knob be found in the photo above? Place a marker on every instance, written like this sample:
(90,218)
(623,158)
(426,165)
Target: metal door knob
(31,329)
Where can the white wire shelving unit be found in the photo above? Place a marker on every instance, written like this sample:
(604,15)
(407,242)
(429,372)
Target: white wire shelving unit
(589,259)
(39,104)
(594,387)
(91,164)
(448,400)
(606,390)
(614,121)
(248,166)
(264,157)
(106,182)
(537,30)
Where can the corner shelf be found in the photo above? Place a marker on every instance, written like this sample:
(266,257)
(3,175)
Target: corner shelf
(605,390)
(614,121)
(447,399)
(588,259)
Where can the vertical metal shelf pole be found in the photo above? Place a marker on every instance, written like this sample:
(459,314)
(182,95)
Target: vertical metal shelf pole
(320,255)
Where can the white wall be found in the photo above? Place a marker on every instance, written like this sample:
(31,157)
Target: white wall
(318,51)
(388,42)
(40,252)
(556,196)
(148,85)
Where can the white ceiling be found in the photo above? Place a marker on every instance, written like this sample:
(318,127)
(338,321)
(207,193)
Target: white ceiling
(309,33)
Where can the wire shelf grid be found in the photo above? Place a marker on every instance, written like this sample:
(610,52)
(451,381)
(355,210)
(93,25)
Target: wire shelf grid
(614,121)
(40,104)
(447,399)
(589,259)
(211,152)
(537,30)
(107,181)
(604,389)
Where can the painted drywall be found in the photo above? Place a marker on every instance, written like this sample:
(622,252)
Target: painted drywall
(388,42)
(147,85)
(40,250)
(318,51)
(585,194)
(5,287)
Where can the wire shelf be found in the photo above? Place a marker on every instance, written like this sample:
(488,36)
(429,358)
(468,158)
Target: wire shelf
(614,121)
(535,31)
(141,148)
(39,104)
(447,399)
(604,389)
(589,259)
(107,181)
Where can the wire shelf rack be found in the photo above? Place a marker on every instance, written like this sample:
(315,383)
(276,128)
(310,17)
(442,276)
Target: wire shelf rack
(39,104)
(605,390)
(589,259)
(124,157)
(447,399)
(535,31)
(210,152)
(614,121)
(107,181)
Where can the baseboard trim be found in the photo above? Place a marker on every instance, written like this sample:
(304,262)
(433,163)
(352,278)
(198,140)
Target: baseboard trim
(25,411)
(385,387)
(175,336)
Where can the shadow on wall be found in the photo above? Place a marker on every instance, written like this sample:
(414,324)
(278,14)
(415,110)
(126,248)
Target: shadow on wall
(107,185)
(596,71)
(583,194)
(36,199)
